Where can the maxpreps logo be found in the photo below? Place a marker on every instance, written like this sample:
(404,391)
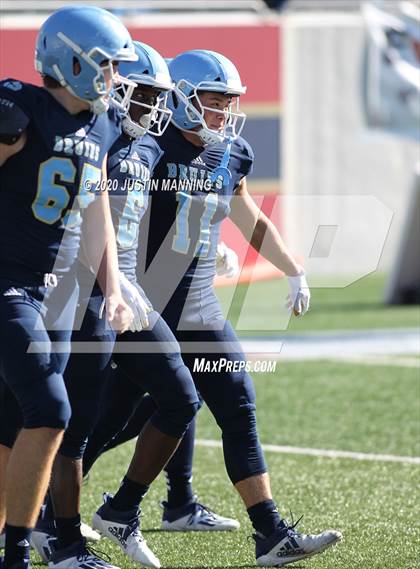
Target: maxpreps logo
(223,365)
(77,145)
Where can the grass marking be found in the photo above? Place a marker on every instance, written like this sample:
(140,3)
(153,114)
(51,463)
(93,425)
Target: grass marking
(322,452)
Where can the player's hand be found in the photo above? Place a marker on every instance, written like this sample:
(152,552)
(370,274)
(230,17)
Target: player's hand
(227,263)
(118,313)
(137,303)
(299,298)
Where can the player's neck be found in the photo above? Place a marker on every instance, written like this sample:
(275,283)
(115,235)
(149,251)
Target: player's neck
(71,103)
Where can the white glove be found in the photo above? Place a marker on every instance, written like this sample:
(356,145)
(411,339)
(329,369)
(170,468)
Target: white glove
(137,304)
(227,263)
(300,295)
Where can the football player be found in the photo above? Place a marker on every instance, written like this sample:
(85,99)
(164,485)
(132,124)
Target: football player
(205,164)
(130,163)
(123,413)
(53,140)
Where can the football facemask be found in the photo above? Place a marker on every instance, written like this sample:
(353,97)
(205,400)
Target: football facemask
(234,118)
(144,117)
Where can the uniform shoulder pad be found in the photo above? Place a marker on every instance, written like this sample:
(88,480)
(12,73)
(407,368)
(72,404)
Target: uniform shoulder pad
(150,144)
(26,96)
(246,154)
(13,121)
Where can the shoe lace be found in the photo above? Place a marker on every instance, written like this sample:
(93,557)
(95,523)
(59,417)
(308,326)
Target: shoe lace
(199,509)
(291,527)
(133,528)
(88,552)
(202,509)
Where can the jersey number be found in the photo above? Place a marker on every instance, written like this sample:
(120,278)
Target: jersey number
(181,240)
(53,197)
(129,220)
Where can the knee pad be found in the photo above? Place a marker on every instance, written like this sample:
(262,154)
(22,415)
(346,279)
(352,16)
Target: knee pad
(241,446)
(174,422)
(243,421)
(76,435)
(73,446)
(49,407)
(85,404)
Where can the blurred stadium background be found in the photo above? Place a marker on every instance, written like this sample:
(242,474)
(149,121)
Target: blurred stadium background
(339,191)
(344,196)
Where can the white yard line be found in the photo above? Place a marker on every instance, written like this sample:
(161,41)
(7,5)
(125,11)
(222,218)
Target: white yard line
(336,344)
(387,361)
(323,453)
(396,361)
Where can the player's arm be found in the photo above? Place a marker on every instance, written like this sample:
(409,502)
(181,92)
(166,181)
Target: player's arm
(13,124)
(101,250)
(260,232)
(263,235)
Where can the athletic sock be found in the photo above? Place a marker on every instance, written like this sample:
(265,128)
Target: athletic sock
(265,517)
(180,490)
(129,495)
(68,531)
(17,546)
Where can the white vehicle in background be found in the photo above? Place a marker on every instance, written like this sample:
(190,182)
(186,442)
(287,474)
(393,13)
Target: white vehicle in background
(391,101)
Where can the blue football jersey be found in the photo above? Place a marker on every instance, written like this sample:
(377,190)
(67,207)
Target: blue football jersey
(40,219)
(130,167)
(186,212)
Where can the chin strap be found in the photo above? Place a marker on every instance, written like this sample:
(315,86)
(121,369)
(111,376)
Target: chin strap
(222,172)
(132,129)
(210,137)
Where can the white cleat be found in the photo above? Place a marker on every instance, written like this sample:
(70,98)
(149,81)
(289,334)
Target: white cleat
(286,546)
(89,533)
(126,535)
(195,517)
(77,556)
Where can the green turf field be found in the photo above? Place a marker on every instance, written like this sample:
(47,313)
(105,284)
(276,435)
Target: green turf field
(359,305)
(322,405)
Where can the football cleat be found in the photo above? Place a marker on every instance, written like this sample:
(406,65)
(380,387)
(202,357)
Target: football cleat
(123,528)
(42,542)
(77,556)
(44,536)
(195,517)
(286,545)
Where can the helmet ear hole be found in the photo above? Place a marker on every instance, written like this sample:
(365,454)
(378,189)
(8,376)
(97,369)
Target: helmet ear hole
(174,100)
(76,66)
(44,42)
